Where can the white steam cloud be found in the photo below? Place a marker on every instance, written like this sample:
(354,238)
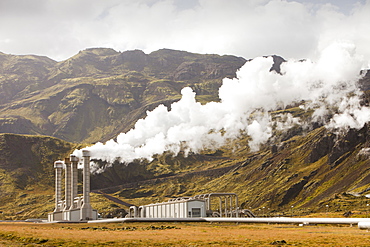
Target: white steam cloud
(327,86)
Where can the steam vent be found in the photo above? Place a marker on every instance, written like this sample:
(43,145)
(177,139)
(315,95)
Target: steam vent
(72,208)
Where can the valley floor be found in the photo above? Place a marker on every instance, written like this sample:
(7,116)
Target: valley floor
(179,234)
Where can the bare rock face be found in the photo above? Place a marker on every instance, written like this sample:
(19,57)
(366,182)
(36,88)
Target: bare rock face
(214,71)
(189,70)
(277,62)
(365,81)
(347,144)
(200,71)
(336,146)
(322,147)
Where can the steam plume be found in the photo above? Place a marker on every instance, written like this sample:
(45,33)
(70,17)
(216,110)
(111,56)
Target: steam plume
(327,86)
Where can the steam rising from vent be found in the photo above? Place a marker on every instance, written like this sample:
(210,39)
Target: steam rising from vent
(328,87)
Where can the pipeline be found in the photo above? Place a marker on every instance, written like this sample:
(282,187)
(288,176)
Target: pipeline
(363,223)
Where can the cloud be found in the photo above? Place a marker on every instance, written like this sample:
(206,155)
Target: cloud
(328,87)
(292,29)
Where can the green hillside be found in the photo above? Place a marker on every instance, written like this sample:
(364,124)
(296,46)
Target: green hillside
(99,93)
(307,172)
(27,173)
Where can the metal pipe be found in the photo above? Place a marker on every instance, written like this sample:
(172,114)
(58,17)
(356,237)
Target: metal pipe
(363,223)
(220,206)
(58,165)
(219,195)
(86,210)
(67,189)
(225,206)
(231,205)
(74,178)
(288,220)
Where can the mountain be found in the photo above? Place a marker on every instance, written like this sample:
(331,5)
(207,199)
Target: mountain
(47,107)
(98,93)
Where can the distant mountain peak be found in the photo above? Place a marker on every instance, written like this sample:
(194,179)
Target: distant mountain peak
(100,51)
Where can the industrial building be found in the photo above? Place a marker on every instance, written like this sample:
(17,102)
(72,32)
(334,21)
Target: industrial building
(73,207)
(77,208)
(185,208)
(206,205)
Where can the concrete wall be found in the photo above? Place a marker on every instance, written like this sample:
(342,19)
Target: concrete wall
(176,209)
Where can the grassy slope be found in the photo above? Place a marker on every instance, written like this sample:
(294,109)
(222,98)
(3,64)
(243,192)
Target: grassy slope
(27,173)
(305,171)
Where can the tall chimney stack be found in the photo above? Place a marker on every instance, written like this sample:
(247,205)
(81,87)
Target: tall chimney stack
(58,165)
(67,189)
(74,178)
(86,210)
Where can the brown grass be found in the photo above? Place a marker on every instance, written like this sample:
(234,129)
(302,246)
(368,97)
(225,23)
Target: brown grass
(179,234)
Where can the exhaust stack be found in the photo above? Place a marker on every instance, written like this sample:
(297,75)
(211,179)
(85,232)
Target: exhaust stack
(58,165)
(72,208)
(86,209)
(74,178)
(67,174)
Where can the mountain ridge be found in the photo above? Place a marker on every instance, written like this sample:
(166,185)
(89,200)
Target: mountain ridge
(99,93)
(131,81)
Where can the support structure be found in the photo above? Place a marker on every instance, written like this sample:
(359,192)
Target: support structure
(86,210)
(227,205)
(58,165)
(72,208)
(74,178)
(67,184)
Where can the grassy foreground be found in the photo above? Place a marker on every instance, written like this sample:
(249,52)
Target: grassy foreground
(179,234)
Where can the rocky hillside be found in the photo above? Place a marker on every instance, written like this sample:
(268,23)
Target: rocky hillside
(99,93)
(306,170)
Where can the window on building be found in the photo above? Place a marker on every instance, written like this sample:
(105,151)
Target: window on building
(195,212)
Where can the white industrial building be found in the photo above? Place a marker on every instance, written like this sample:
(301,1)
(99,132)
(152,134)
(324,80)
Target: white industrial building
(184,208)
(207,205)
(73,207)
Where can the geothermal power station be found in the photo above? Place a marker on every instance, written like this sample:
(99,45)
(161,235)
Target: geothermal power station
(75,208)
(212,207)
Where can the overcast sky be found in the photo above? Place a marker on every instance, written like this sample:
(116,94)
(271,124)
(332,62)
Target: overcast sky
(247,28)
